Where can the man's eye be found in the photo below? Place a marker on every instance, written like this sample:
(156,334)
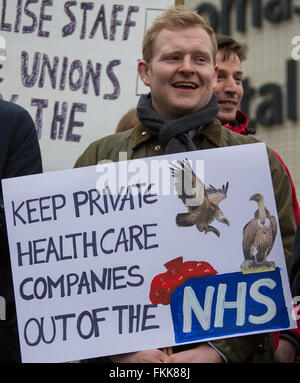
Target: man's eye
(199,59)
(172,58)
(238,80)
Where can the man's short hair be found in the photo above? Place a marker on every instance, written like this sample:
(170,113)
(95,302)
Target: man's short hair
(229,46)
(176,17)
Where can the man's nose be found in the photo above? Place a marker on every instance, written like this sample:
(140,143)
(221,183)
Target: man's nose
(230,85)
(186,65)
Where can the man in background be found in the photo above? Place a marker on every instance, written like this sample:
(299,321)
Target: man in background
(229,90)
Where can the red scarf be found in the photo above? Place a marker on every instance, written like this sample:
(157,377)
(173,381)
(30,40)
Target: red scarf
(240,124)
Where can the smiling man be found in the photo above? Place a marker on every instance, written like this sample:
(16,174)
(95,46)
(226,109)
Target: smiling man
(229,87)
(229,90)
(181,73)
(179,115)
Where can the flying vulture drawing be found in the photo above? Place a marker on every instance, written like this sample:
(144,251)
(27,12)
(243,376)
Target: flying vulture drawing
(259,235)
(202,203)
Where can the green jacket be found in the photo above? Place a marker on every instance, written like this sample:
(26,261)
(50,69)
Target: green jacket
(138,143)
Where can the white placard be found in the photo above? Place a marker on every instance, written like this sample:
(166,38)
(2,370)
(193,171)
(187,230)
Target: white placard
(85,264)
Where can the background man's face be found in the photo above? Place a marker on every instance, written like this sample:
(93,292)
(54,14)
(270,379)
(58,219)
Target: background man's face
(181,74)
(229,88)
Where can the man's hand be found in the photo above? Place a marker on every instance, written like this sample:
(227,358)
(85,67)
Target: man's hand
(203,353)
(149,356)
(285,352)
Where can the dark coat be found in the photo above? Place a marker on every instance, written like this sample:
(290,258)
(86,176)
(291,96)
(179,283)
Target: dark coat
(295,267)
(19,155)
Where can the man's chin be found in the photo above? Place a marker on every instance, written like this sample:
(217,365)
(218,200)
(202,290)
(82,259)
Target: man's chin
(226,117)
(188,108)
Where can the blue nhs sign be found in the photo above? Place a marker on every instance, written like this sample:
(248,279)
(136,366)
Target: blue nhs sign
(228,304)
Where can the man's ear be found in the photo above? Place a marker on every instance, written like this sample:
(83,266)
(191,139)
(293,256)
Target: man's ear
(143,70)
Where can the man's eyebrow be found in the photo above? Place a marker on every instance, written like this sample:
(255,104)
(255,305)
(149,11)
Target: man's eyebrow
(179,49)
(168,52)
(238,73)
(173,52)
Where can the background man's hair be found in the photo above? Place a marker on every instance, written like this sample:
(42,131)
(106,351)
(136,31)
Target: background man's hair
(173,18)
(229,46)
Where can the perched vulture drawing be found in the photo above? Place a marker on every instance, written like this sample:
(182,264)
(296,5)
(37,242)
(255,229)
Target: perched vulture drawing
(202,203)
(259,234)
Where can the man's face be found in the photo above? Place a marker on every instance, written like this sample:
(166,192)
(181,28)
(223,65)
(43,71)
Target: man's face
(229,88)
(181,75)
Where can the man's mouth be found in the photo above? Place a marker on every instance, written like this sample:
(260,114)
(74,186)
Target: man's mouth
(185,85)
(227,102)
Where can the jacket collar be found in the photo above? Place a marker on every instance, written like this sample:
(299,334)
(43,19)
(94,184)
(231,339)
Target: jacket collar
(139,135)
(212,131)
(240,124)
(242,118)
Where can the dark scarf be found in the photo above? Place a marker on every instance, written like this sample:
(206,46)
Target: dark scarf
(175,135)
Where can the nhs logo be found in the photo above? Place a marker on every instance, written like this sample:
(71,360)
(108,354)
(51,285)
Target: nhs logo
(228,304)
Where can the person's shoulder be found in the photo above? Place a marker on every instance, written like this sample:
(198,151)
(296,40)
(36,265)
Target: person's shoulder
(15,118)
(113,140)
(106,148)
(16,122)
(232,138)
(9,108)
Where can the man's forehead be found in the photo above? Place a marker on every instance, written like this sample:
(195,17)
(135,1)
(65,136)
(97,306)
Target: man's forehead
(233,58)
(178,39)
(232,64)
(193,33)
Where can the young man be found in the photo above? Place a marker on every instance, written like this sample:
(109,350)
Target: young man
(229,90)
(179,66)
(19,156)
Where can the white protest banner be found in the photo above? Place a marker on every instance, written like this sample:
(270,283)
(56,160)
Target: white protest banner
(138,264)
(73,66)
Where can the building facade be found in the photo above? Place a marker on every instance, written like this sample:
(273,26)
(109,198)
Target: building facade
(271,28)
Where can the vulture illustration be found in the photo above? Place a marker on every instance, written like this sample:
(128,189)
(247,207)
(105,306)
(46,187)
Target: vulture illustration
(201,202)
(259,235)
